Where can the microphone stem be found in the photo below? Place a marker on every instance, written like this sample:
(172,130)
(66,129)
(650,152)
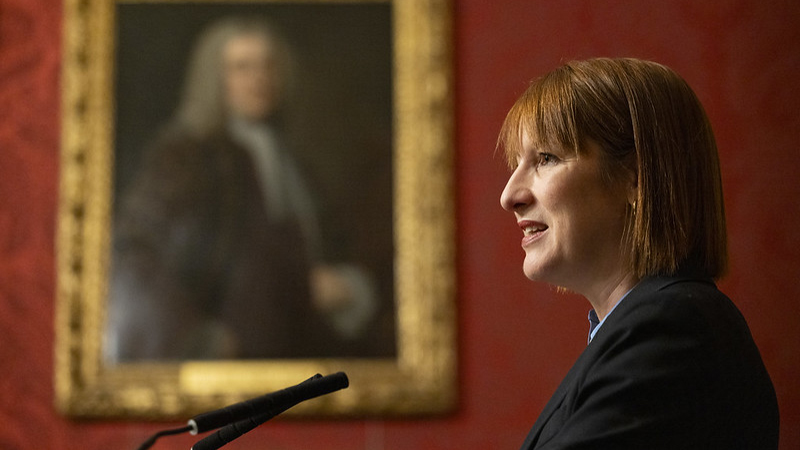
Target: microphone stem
(149,443)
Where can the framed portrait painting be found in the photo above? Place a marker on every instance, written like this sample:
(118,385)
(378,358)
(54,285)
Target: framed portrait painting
(252,193)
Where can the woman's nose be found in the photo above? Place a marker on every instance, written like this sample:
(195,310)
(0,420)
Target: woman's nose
(516,194)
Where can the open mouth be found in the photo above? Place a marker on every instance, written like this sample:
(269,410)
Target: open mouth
(530,230)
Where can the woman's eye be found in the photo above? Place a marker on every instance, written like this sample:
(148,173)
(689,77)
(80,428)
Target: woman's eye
(546,159)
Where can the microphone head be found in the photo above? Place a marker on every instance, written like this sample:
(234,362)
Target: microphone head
(338,379)
(322,386)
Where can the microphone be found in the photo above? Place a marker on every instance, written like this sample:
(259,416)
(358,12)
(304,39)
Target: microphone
(230,432)
(244,416)
(233,413)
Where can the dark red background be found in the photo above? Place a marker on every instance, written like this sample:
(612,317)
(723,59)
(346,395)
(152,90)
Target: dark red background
(516,339)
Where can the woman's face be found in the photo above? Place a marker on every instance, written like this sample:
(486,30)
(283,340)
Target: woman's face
(252,79)
(572,221)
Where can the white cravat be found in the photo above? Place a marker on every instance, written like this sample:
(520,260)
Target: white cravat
(285,191)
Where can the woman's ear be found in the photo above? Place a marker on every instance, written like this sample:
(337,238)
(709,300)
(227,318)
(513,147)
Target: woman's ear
(631,183)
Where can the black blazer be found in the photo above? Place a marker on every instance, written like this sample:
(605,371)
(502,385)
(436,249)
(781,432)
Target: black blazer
(673,367)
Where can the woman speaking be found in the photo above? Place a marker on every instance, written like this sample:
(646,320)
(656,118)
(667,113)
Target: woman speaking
(616,187)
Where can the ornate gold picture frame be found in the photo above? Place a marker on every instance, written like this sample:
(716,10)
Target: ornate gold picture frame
(418,377)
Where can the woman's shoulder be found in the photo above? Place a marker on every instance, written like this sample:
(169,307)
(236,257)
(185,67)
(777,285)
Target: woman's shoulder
(676,293)
(684,305)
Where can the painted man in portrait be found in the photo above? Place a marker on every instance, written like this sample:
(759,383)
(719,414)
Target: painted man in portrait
(217,248)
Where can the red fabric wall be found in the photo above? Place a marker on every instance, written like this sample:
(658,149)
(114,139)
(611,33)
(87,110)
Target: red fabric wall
(517,339)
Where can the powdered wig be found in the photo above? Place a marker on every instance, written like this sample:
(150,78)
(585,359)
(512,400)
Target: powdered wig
(202,106)
(647,121)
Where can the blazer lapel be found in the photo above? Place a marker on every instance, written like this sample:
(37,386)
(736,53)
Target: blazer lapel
(544,417)
(550,408)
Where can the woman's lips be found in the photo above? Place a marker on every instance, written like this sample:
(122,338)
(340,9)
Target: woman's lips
(531,230)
